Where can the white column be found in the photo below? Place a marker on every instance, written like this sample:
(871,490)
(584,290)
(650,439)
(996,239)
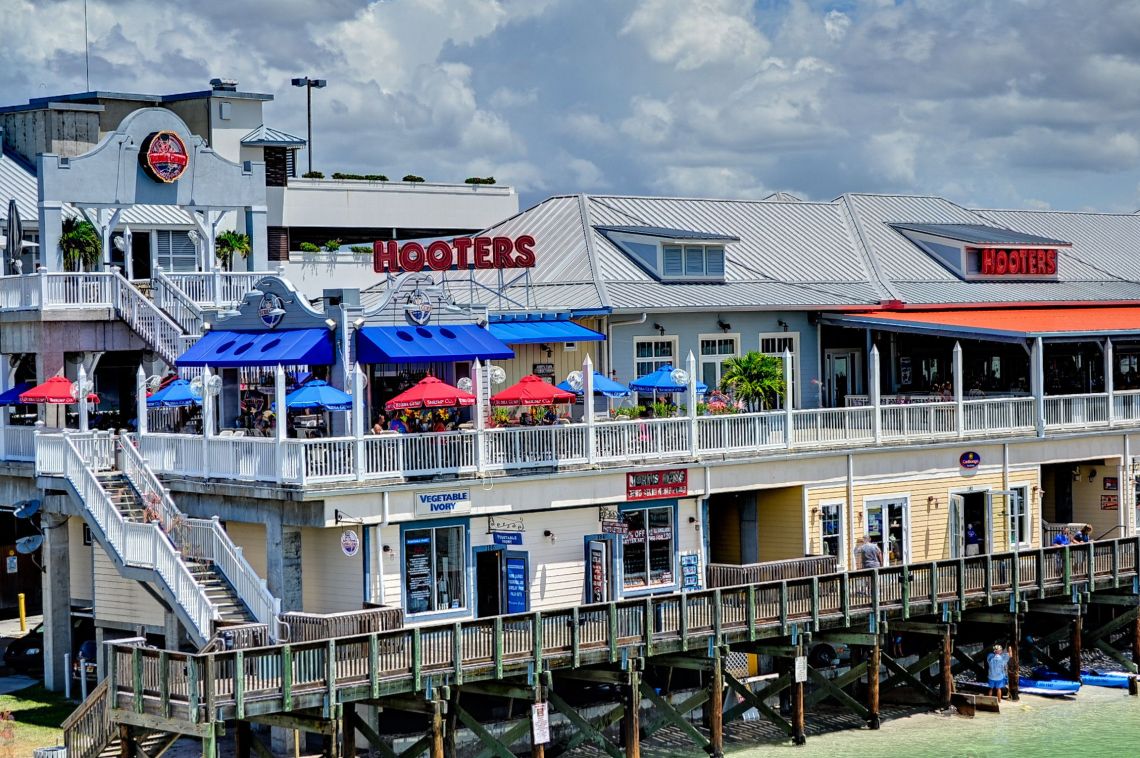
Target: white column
(280,416)
(358,407)
(959,408)
(1109,388)
(128,259)
(873,388)
(207,420)
(789,400)
(4,385)
(140,401)
(691,395)
(107,219)
(479,413)
(50,226)
(1037,358)
(81,386)
(588,408)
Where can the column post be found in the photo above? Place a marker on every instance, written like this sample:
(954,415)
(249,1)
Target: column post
(789,400)
(1037,355)
(348,730)
(256,227)
(140,402)
(716,706)
(56,599)
(358,422)
(1014,671)
(1109,381)
(81,397)
(631,721)
(280,414)
(588,409)
(873,663)
(436,745)
(874,389)
(479,414)
(51,229)
(691,400)
(1075,650)
(959,406)
(799,729)
(947,666)
(537,749)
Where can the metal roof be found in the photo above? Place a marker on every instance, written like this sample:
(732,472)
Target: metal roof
(263,136)
(668,233)
(1014,324)
(979,234)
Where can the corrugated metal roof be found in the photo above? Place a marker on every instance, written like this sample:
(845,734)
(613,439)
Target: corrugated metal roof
(664,232)
(756,295)
(978,234)
(265,137)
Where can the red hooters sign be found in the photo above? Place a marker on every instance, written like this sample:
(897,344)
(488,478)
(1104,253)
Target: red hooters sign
(459,253)
(164,157)
(995,261)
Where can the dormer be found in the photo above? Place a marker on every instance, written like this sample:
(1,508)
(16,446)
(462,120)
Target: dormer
(672,255)
(976,252)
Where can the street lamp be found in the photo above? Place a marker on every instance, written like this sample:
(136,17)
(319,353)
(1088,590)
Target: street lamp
(309,85)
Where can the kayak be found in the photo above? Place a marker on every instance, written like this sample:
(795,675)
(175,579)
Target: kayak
(1048,687)
(1115,679)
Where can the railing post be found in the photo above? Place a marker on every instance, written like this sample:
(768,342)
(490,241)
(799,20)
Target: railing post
(588,410)
(479,415)
(280,416)
(1037,355)
(691,398)
(959,407)
(140,402)
(873,379)
(789,400)
(357,423)
(1110,411)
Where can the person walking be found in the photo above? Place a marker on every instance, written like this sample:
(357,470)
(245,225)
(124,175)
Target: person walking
(869,554)
(997,669)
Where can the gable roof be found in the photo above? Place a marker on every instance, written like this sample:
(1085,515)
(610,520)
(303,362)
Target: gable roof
(263,136)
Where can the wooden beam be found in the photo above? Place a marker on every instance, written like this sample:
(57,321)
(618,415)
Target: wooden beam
(588,730)
(904,674)
(844,680)
(293,721)
(407,703)
(375,741)
(838,693)
(485,737)
(920,627)
(986,617)
(873,672)
(670,714)
(847,638)
(776,651)
(1056,609)
(498,689)
(756,700)
(1129,601)
(716,706)
(1112,626)
(595,675)
(601,724)
(1115,655)
(693,663)
(685,707)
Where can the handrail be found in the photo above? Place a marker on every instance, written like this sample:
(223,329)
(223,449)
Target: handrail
(216,287)
(170,298)
(148,320)
(140,545)
(88,729)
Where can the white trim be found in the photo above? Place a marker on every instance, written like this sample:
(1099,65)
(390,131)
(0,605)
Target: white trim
(989,516)
(796,344)
(718,358)
(842,506)
(872,500)
(1027,508)
(674,360)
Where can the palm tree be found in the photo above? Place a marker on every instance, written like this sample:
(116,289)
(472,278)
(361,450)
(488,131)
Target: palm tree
(227,244)
(81,244)
(755,379)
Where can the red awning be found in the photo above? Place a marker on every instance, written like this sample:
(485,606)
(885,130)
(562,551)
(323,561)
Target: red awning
(56,391)
(430,392)
(1003,323)
(532,390)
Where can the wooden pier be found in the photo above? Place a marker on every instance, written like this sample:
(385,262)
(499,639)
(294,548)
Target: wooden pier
(317,685)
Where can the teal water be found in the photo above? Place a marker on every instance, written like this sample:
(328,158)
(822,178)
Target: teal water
(1099,722)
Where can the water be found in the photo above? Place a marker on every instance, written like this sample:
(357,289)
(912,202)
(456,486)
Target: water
(1099,722)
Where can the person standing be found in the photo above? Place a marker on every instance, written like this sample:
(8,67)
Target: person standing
(973,541)
(997,670)
(869,554)
(1084,535)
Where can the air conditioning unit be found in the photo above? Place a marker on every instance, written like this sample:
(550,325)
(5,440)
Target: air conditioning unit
(569,347)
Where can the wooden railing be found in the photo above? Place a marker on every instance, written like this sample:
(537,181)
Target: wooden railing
(89,727)
(222,685)
(729,575)
(306,627)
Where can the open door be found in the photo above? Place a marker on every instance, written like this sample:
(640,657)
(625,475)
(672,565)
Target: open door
(599,582)
(489,570)
(957,538)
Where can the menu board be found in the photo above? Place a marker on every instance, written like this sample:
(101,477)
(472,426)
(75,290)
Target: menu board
(417,573)
(690,571)
(516,584)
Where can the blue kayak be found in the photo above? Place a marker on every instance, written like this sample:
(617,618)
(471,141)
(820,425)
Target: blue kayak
(1048,687)
(1115,679)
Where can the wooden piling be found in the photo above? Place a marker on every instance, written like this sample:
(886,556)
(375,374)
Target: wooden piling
(348,730)
(127,742)
(451,725)
(243,739)
(1075,650)
(716,707)
(537,749)
(947,688)
(1014,670)
(873,662)
(436,727)
(1136,640)
(1133,690)
(631,720)
(799,732)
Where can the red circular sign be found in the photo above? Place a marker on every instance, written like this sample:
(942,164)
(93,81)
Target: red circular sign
(164,156)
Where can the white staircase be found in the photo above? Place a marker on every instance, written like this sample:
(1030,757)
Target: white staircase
(195,566)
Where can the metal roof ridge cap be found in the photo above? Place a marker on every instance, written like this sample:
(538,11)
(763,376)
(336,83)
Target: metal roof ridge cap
(870,260)
(588,233)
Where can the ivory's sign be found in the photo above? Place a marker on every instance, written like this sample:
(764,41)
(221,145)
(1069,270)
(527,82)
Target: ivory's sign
(460,253)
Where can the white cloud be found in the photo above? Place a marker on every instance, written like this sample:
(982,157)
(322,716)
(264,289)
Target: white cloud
(894,155)
(836,24)
(691,34)
(586,174)
(505,97)
(709,181)
(650,121)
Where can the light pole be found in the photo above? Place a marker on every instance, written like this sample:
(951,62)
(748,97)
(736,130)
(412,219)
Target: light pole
(309,85)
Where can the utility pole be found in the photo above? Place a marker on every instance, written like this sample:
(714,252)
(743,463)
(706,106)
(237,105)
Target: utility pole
(310,84)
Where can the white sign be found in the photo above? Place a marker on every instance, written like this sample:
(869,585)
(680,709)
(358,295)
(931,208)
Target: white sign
(12,564)
(540,723)
(444,503)
(801,668)
(349,542)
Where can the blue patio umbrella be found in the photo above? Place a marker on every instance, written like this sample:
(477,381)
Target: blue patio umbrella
(12,396)
(661,381)
(602,386)
(318,394)
(177,394)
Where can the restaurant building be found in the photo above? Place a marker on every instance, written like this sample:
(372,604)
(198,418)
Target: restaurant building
(961,381)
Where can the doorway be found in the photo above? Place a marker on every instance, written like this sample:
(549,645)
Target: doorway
(140,255)
(888,524)
(970,524)
(844,375)
(599,569)
(488,583)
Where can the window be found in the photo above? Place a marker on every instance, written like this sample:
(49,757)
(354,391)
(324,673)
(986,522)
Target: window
(829,523)
(1019,528)
(672,260)
(651,353)
(434,566)
(715,349)
(175,251)
(775,343)
(647,548)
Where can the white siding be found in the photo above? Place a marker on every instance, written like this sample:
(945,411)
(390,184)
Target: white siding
(330,581)
(82,575)
(120,600)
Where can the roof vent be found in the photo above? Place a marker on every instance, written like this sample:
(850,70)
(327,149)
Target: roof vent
(224,85)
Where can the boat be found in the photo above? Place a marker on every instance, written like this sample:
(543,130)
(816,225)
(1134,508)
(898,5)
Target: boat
(1115,679)
(1048,687)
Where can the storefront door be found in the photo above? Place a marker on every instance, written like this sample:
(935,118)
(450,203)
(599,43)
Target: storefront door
(489,582)
(888,525)
(971,517)
(844,375)
(599,570)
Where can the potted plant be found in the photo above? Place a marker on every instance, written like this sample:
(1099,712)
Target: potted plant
(80,243)
(500,416)
(332,246)
(230,243)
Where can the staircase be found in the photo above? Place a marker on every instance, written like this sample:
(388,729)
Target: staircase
(192,562)
(90,732)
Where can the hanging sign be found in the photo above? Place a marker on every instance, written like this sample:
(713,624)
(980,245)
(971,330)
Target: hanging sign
(649,485)
(164,157)
(349,542)
(11,565)
(969,460)
(801,674)
(507,538)
(540,723)
(1111,483)
(690,571)
(443,503)
(599,579)
(542,369)
(460,253)
(505,524)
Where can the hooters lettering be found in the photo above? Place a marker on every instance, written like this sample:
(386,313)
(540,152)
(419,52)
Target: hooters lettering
(439,255)
(1050,261)
(412,257)
(459,253)
(483,252)
(384,256)
(1019,262)
(524,247)
(462,247)
(501,247)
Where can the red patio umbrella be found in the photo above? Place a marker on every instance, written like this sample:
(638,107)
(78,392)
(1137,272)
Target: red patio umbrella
(55,391)
(430,392)
(532,390)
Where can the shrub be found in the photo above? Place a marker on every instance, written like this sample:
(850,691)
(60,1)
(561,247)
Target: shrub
(309,247)
(361,177)
(479,180)
(361,249)
(312,175)
(412,178)
(332,246)
(376,177)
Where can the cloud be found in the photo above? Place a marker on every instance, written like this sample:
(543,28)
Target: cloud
(691,34)
(895,155)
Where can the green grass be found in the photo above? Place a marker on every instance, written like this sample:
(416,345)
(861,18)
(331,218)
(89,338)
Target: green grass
(36,715)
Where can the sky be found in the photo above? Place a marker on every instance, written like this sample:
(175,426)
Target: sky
(991,103)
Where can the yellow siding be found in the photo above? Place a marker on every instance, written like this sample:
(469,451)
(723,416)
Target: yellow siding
(122,601)
(251,539)
(82,575)
(1087,506)
(331,582)
(780,517)
(929,498)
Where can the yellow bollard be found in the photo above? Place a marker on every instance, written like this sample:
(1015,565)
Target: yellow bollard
(23,613)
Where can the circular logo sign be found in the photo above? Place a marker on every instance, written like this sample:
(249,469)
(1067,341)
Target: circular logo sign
(969,460)
(349,543)
(271,310)
(418,309)
(164,156)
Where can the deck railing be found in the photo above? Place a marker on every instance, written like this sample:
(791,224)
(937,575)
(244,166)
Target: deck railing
(226,288)
(217,686)
(730,575)
(306,627)
(170,298)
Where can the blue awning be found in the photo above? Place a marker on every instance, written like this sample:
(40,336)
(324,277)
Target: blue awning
(290,347)
(533,332)
(12,396)
(424,344)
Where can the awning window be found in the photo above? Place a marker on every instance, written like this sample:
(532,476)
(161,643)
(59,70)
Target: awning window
(290,347)
(426,344)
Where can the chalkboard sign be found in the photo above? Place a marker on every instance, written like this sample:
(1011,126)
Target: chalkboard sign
(516,584)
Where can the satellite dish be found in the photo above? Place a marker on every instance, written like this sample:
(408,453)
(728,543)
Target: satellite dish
(29,545)
(574,379)
(498,375)
(679,376)
(27,508)
(464,383)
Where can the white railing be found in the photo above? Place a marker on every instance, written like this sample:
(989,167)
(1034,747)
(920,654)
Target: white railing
(528,447)
(71,290)
(642,439)
(139,545)
(1126,406)
(828,427)
(184,311)
(919,421)
(21,292)
(1076,411)
(147,320)
(741,432)
(19,443)
(216,288)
